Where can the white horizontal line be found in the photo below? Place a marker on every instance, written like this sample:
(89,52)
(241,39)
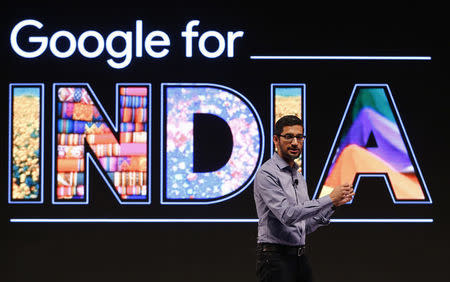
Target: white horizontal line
(405,58)
(126,220)
(201,220)
(382,220)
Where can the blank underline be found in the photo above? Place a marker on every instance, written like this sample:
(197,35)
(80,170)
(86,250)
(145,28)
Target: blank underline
(203,220)
(376,58)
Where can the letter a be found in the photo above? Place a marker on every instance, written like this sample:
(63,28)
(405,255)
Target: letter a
(371,141)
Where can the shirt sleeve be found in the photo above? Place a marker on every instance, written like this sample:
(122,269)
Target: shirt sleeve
(268,188)
(322,218)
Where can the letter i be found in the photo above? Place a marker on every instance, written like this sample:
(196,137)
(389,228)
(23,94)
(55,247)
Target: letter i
(26,138)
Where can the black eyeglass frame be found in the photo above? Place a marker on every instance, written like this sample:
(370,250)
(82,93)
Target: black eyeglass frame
(289,138)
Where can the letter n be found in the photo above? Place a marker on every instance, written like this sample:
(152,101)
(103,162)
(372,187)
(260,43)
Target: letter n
(119,150)
(372,142)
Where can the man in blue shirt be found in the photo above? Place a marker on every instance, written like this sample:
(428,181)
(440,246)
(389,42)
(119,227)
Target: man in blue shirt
(286,214)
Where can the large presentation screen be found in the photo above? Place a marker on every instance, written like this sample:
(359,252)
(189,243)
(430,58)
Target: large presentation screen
(133,134)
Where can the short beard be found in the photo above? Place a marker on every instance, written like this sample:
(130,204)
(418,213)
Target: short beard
(287,156)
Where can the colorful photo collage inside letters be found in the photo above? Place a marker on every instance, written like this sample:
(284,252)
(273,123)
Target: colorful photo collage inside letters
(288,101)
(26,138)
(181,180)
(371,142)
(79,123)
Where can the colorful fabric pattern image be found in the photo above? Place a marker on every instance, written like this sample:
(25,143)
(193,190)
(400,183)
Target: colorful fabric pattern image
(371,143)
(79,124)
(288,101)
(25,154)
(181,180)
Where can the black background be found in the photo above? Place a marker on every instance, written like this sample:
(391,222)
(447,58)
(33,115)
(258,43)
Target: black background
(225,251)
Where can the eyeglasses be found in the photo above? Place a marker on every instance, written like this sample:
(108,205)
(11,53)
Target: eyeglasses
(290,137)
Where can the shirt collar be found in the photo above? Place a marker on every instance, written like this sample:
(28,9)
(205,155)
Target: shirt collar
(281,163)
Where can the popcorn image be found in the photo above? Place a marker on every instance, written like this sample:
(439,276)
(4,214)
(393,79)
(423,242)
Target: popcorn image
(26,144)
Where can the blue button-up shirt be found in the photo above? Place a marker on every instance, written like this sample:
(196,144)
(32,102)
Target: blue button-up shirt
(285,212)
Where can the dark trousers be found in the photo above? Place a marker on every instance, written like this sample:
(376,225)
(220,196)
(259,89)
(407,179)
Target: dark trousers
(278,267)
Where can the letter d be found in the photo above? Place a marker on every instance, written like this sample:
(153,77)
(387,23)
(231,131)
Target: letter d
(181,181)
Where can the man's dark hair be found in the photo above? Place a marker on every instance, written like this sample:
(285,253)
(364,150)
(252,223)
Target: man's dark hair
(289,120)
